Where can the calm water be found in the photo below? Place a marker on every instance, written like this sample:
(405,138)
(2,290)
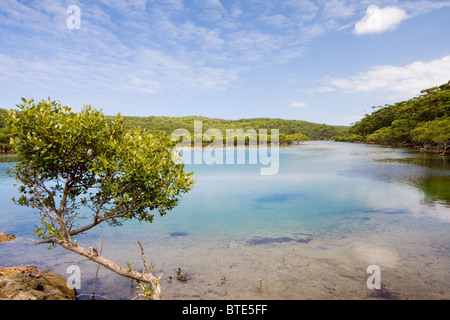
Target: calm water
(308,232)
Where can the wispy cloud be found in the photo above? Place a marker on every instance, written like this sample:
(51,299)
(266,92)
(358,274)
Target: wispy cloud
(105,52)
(320,89)
(400,81)
(297,104)
(415,8)
(159,45)
(277,20)
(162,46)
(125,46)
(339,9)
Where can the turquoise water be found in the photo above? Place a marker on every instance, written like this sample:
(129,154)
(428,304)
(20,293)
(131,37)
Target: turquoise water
(308,232)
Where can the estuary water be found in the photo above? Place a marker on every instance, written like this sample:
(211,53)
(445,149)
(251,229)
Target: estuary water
(311,231)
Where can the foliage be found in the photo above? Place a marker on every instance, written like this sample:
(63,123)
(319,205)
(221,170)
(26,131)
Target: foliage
(312,131)
(5,137)
(349,138)
(71,159)
(80,169)
(5,134)
(420,120)
(293,138)
(433,132)
(2,121)
(399,131)
(290,131)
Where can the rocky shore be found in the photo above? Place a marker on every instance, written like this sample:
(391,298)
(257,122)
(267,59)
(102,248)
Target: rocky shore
(6,237)
(29,283)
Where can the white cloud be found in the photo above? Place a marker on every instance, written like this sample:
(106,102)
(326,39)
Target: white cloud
(402,81)
(297,104)
(379,20)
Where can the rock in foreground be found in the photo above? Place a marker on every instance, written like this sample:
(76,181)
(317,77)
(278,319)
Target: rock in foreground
(28,283)
(6,237)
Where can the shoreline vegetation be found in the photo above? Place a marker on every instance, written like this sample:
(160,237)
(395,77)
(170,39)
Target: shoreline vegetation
(243,132)
(422,122)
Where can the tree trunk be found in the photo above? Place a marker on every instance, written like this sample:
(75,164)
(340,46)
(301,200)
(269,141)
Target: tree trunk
(129,273)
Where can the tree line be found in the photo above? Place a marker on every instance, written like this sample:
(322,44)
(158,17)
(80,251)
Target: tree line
(423,121)
(5,134)
(290,131)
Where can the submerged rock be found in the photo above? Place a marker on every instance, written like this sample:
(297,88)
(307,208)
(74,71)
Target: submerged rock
(278,197)
(265,241)
(178,234)
(28,283)
(6,237)
(383,294)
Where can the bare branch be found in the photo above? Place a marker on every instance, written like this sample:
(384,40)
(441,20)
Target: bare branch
(97,221)
(62,208)
(45,212)
(50,195)
(144,260)
(98,266)
(53,241)
(126,272)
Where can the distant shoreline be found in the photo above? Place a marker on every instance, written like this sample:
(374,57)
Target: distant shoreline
(419,148)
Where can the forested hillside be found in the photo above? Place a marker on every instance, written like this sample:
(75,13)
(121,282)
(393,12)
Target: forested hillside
(422,121)
(4,134)
(290,130)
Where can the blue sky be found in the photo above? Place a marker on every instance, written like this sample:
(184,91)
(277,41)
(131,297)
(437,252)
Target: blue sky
(319,61)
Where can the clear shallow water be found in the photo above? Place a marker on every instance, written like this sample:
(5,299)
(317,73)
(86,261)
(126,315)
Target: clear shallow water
(309,232)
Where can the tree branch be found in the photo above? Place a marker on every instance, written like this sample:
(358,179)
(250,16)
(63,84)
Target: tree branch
(144,260)
(62,208)
(129,273)
(44,188)
(98,219)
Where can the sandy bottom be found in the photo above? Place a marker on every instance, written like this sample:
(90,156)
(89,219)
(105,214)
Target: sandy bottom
(413,254)
(331,267)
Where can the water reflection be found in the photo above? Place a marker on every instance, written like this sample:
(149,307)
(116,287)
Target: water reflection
(4,158)
(433,178)
(429,173)
(309,232)
(436,188)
